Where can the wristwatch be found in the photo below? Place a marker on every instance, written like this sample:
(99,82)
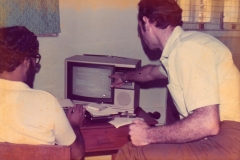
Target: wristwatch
(124,81)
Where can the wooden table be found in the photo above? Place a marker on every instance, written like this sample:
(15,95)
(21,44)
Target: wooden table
(102,138)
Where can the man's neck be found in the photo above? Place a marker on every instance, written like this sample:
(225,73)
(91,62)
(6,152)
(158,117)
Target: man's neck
(164,35)
(12,76)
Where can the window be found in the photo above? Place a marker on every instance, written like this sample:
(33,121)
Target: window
(210,14)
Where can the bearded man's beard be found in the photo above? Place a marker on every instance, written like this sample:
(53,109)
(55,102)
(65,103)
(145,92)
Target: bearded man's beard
(31,75)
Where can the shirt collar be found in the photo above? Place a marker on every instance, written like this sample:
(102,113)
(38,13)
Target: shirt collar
(13,85)
(175,34)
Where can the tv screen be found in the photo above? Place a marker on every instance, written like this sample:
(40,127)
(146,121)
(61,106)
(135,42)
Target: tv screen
(89,82)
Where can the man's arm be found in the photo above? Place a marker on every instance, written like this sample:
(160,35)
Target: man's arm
(75,116)
(77,147)
(203,122)
(143,74)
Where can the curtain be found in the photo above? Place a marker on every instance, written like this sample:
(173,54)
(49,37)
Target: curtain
(39,16)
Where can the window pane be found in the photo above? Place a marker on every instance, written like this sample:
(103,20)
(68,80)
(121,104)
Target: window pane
(203,10)
(186,7)
(231,11)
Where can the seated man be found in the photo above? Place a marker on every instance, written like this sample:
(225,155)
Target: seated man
(204,84)
(29,116)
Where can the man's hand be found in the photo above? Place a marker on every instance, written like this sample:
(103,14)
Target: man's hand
(117,80)
(138,133)
(76,115)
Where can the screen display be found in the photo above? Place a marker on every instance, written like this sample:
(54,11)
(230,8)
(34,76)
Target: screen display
(91,82)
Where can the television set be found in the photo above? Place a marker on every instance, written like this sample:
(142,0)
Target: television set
(87,81)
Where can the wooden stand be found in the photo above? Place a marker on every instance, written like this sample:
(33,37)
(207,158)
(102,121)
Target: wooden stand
(105,139)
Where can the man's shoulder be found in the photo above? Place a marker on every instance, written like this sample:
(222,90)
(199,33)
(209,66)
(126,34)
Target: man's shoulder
(42,99)
(196,37)
(41,94)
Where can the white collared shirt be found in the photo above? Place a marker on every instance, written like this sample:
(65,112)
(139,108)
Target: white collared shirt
(201,72)
(29,116)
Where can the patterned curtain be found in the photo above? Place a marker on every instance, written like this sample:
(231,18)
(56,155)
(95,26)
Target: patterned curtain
(39,16)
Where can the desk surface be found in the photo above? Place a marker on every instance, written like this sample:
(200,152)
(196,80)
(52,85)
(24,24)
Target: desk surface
(103,136)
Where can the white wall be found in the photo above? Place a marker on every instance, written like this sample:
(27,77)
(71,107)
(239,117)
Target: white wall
(93,27)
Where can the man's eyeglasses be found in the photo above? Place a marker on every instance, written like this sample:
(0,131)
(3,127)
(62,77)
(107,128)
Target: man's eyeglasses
(37,57)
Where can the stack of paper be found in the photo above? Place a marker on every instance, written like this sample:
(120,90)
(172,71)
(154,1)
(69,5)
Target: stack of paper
(105,112)
(121,121)
(96,106)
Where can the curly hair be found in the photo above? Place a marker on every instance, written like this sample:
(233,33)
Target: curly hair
(16,43)
(161,12)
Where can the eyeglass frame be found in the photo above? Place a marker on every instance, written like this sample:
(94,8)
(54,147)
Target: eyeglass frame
(37,57)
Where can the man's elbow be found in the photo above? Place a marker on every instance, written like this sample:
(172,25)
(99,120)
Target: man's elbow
(214,129)
(77,155)
(77,150)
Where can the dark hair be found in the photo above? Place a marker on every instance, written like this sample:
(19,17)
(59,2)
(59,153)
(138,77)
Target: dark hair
(16,43)
(161,12)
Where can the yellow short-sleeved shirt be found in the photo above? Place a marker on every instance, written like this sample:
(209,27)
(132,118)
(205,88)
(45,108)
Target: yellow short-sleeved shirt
(201,72)
(29,116)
